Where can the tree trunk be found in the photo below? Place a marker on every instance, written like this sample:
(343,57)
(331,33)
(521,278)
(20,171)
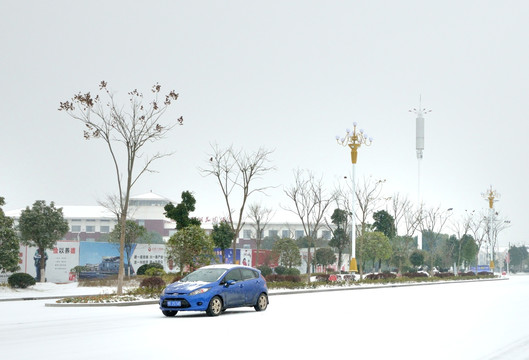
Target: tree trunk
(121,272)
(42,265)
(234,247)
(309,261)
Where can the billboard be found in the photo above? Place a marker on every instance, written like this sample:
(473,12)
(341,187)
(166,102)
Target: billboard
(101,259)
(58,261)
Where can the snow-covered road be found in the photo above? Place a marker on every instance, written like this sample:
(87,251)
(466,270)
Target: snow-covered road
(478,320)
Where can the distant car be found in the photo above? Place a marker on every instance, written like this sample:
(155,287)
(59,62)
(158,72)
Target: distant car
(215,288)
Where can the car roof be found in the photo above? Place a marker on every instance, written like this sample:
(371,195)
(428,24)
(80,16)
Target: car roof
(226,266)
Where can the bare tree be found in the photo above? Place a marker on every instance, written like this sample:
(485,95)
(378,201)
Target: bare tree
(133,129)
(368,198)
(433,221)
(260,217)
(478,228)
(236,172)
(496,226)
(403,212)
(310,203)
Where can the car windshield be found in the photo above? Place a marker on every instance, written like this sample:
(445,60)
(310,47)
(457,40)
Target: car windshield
(205,275)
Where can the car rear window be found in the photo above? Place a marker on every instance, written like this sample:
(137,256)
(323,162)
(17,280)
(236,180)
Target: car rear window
(248,274)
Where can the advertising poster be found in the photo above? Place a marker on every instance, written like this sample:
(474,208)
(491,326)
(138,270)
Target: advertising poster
(246,257)
(228,254)
(266,257)
(101,259)
(148,253)
(58,261)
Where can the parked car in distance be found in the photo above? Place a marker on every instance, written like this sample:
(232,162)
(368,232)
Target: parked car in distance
(215,288)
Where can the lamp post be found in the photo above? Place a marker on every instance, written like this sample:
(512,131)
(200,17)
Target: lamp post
(354,140)
(491,196)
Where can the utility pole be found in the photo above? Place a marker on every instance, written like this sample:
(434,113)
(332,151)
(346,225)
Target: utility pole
(419,147)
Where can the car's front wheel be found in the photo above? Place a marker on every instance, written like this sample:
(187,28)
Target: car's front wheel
(262,302)
(215,306)
(169,312)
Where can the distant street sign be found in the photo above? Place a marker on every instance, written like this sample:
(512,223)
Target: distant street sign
(481,268)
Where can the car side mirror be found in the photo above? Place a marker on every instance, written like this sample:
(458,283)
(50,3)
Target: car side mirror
(229,283)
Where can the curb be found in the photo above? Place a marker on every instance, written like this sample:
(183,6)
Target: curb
(288,292)
(305,291)
(124,303)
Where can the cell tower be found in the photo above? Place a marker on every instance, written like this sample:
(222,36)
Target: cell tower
(419,147)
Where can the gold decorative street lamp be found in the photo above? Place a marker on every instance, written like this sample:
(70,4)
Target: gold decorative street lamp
(492,196)
(354,140)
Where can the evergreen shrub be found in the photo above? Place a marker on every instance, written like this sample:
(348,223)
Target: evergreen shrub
(154,271)
(265,270)
(21,280)
(280,270)
(142,269)
(292,271)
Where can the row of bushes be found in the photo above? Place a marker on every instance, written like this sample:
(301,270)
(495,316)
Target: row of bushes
(279,270)
(380,276)
(282,276)
(480,273)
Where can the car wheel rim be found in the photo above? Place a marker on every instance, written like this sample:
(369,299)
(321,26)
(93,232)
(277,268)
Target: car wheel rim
(262,302)
(216,306)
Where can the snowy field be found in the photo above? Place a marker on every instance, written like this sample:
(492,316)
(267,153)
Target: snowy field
(477,320)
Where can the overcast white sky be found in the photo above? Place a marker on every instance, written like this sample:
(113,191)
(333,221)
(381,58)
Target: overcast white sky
(287,75)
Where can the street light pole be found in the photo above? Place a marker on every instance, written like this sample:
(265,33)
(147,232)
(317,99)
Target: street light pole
(492,196)
(354,140)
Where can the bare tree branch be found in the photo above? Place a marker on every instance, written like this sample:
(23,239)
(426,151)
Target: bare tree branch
(236,172)
(310,203)
(133,130)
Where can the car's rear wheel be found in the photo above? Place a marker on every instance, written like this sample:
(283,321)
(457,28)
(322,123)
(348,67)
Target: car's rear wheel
(262,302)
(215,306)
(169,312)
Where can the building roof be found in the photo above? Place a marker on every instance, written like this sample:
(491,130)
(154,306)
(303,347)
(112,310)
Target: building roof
(149,196)
(95,211)
(75,212)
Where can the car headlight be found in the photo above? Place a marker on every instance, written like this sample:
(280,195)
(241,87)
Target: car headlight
(199,291)
(163,291)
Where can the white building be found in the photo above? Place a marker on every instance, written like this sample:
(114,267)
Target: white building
(90,223)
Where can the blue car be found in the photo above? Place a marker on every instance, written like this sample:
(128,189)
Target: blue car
(215,288)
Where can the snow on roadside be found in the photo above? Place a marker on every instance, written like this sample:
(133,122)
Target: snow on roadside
(51,289)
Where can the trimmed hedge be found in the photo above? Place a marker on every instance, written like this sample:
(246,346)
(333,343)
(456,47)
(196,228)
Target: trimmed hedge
(142,269)
(21,280)
(152,282)
(283,278)
(480,273)
(415,274)
(379,276)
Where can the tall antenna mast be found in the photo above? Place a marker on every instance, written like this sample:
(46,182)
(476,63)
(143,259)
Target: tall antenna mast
(419,147)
